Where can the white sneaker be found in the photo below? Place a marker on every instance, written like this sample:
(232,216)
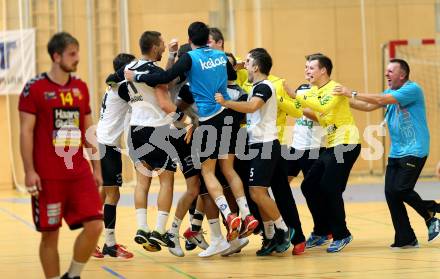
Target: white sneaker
(236,245)
(176,251)
(217,246)
(196,238)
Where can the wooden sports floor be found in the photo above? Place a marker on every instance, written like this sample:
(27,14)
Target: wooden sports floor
(368,256)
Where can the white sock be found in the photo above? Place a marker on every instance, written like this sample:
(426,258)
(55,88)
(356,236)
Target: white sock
(110,239)
(279,223)
(222,204)
(243,206)
(75,269)
(162,218)
(175,226)
(269,229)
(216,231)
(141,217)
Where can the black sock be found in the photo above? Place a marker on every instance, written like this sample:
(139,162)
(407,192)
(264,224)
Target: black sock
(196,224)
(109,216)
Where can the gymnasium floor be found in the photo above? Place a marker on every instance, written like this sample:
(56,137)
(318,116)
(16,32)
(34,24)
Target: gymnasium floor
(368,256)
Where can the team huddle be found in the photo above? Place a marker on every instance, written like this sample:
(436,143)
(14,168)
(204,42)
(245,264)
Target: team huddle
(222,123)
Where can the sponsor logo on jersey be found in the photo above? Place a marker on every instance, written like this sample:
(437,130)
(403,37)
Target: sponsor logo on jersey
(66,130)
(50,95)
(212,63)
(77,93)
(65,117)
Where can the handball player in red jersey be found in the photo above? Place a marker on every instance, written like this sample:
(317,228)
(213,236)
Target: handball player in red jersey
(54,115)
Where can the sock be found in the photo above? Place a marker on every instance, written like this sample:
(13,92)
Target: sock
(175,226)
(243,206)
(196,223)
(222,204)
(216,231)
(279,223)
(109,223)
(269,229)
(75,269)
(191,211)
(110,238)
(162,218)
(141,217)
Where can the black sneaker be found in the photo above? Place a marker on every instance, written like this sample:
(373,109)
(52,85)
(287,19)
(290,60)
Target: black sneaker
(143,238)
(162,239)
(284,239)
(66,276)
(189,246)
(413,244)
(267,247)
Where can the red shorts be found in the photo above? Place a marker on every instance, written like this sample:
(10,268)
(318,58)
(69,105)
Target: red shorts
(75,200)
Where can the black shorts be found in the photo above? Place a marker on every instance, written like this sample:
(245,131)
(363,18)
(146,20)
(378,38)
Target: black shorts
(301,160)
(151,145)
(263,167)
(185,158)
(216,136)
(111,165)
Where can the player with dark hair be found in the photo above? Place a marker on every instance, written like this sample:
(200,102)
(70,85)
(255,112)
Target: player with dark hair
(54,116)
(114,109)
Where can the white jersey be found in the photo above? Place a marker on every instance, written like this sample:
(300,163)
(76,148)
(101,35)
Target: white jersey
(112,116)
(145,108)
(262,124)
(307,134)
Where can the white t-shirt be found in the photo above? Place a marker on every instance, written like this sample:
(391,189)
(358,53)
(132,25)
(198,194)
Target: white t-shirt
(114,110)
(262,124)
(145,108)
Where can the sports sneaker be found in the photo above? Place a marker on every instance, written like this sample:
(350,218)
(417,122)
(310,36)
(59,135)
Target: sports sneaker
(217,246)
(189,246)
(117,251)
(175,250)
(284,239)
(234,223)
(196,238)
(299,248)
(162,239)
(267,247)
(338,245)
(413,244)
(316,240)
(97,253)
(142,238)
(248,225)
(66,276)
(236,246)
(433,229)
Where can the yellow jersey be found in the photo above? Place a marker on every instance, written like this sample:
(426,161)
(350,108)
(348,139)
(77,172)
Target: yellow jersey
(333,114)
(285,104)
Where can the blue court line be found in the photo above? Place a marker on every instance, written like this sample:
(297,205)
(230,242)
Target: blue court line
(112,272)
(18,218)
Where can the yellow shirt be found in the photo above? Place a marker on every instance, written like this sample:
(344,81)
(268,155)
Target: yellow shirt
(285,104)
(333,114)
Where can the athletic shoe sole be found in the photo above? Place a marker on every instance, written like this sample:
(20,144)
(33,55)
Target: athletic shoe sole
(250,229)
(234,228)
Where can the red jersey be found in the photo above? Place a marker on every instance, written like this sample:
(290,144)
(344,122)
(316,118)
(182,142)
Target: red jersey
(59,128)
